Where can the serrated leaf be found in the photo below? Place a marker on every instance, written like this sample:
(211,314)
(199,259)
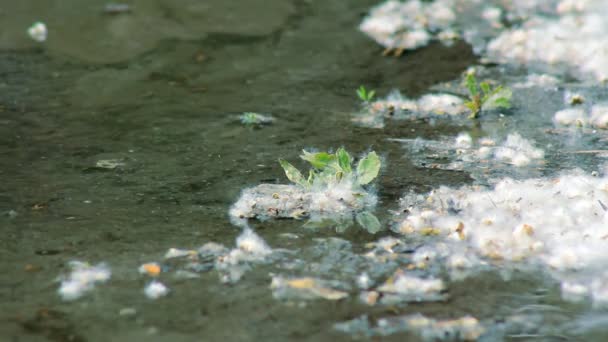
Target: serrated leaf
(344,160)
(319,160)
(368,168)
(369,222)
(500,98)
(471,84)
(293,174)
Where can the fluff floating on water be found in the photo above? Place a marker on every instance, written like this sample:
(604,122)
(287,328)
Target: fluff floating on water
(82,279)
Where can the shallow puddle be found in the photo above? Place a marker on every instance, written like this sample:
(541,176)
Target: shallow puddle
(123,147)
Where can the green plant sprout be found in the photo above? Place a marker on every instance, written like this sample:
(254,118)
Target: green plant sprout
(330,168)
(483,97)
(255,119)
(364,95)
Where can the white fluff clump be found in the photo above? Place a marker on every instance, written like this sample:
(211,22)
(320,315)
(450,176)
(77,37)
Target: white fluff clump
(596,116)
(405,25)
(558,223)
(252,244)
(466,154)
(155,290)
(82,279)
(571,38)
(403,287)
(250,248)
(291,201)
(38,32)
(517,151)
(575,39)
(397,105)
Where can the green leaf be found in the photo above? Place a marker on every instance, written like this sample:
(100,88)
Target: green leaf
(369,222)
(293,174)
(361,92)
(485,87)
(368,168)
(370,96)
(319,160)
(500,98)
(344,160)
(471,84)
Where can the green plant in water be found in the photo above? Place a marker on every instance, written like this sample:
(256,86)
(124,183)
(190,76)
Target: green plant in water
(483,97)
(364,95)
(328,168)
(255,119)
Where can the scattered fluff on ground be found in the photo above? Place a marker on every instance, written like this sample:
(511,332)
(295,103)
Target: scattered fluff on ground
(82,279)
(291,201)
(231,264)
(407,25)
(557,223)
(576,39)
(570,34)
(397,106)
(596,116)
(483,157)
(466,328)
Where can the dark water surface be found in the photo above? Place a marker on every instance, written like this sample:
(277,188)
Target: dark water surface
(160,88)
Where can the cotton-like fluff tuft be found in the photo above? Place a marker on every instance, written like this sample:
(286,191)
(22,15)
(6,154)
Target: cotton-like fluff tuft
(251,243)
(250,248)
(38,32)
(596,116)
(82,279)
(557,223)
(517,151)
(155,289)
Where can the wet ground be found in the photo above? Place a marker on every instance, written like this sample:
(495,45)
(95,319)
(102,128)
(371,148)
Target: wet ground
(160,88)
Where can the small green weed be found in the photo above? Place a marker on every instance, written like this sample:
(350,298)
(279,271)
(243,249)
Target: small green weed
(330,168)
(483,97)
(364,95)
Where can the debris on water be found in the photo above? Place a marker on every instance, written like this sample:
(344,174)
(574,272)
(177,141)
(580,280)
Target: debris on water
(250,249)
(538,80)
(109,164)
(573,99)
(38,32)
(466,328)
(11,214)
(482,157)
(305,289)
(82,279)
(116,8)
(554,223)
(402,287)
(155,289)
(152,269)
(398,106)
(127,312)
(178,253)
(596,116)
(183,274)
(407,25)
(546,35)
(256,119)
(574,39)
